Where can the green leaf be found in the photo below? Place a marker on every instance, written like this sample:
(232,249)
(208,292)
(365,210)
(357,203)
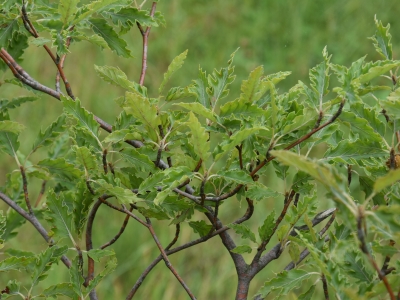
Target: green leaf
(84,118)
(3,219)
(117,77)
(257,191)
(238,176)
(392,104)
(76,278)
(175,65)
(13,289)
(392,177)
(237,138)
(126,17)
(200,227)
(10,126)
(139,161)
(285,282)
(142,110)
(244,231)
(112,39)
(15,263)
(241,109)
(319,77)
(242,249)
(8,30)
(59,216)
(352,152)
(199,89)
(82,201)
(219,81)
(355,266)
(85,158)
(266,230)
(124,196)
(110,267)
(60,168)
(9,143)
(370,115)
(47,137)
(61,289)
(359,126)
(96,254)
(294,251)
(67,9)
(15,102)
(252,88)
(199,137)
(308,295)
(39,41)
(199,109)
(90,9)
(375,72)
(382,39)
(44,261)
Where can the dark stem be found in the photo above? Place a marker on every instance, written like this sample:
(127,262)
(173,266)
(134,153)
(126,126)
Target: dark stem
(89,244)
(41,193)
(31,29)
(34,221)
(240,156)
(325,286)
(166,260)
(349,167)
(25,188)
(105,161)
(177,231)
(261,248)
(245,217)
(121,231)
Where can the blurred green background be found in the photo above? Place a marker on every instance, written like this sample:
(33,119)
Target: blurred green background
(282,35)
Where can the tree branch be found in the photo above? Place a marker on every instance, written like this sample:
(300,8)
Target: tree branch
(121,231)
(145,37)
(35,222)
(138,283)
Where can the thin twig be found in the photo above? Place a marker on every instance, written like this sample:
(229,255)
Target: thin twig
(325,286)
(41,193)
(306,252)
(177,231)
(31,29)
(35,222)
(121,231)
(166,260)
(25,188)
(104,158)
(145,37)
(245,217)
(89,244)
(261,248)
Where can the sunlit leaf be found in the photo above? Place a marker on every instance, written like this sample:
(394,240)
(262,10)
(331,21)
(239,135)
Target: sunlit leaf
(175,65)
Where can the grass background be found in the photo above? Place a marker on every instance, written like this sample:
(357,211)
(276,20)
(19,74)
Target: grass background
(282,35)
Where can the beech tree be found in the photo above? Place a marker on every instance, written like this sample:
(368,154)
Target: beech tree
(193,151)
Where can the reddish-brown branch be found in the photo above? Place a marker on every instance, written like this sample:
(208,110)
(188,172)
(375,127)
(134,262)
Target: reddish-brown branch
(89,244)
(166,260)
(245,217)
(25,188)
(41,193)
(306,252)
(261,248)
(31,29)
(35,222)
(145,37)
(121,231)
(177,231)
